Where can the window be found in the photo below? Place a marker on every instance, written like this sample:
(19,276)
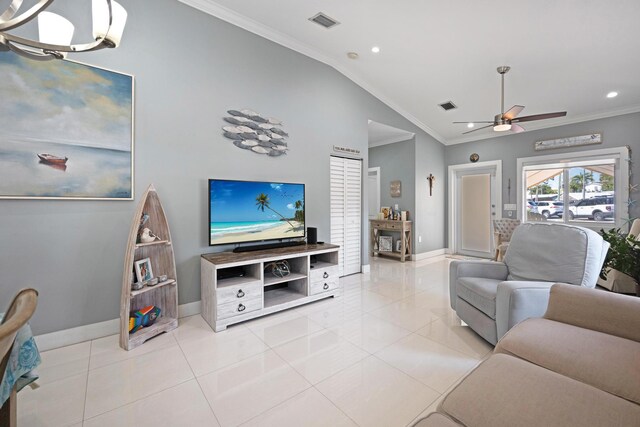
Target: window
(585,188)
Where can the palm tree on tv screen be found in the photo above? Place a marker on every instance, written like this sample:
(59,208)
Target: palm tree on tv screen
(262,202)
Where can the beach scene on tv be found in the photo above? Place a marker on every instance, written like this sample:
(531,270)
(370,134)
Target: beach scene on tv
(244,211)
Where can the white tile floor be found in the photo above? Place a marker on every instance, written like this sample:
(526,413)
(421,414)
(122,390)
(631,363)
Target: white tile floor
(381,355)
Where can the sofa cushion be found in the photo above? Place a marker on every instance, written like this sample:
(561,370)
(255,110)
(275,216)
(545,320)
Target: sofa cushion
(436,419)
(480,293)
(549,252)
(507,391)
(604,361)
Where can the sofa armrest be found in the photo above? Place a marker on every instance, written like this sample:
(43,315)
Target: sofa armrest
(519,300)
(486,269)
(595,309)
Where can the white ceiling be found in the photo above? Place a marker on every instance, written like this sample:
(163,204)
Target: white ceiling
(381,134)
(565,55)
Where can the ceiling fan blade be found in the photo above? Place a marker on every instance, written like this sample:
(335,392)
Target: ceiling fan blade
(516,128)
(512,112)
(539,117)
(473,122)
(473,130)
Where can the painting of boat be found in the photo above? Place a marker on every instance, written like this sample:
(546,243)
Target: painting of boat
(54,160)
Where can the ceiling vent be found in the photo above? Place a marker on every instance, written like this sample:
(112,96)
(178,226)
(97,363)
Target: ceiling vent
(322,19)
(446,106)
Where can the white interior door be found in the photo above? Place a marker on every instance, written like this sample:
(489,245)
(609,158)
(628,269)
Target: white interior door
(476,196)
(374,192)
(346,212)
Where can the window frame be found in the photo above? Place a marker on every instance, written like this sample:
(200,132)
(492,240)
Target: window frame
(616,155)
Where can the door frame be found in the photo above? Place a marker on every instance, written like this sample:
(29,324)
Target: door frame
(454,190)
(377,171)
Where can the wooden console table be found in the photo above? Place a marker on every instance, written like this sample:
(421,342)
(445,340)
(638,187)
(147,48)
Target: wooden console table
(244,291)
(402,227)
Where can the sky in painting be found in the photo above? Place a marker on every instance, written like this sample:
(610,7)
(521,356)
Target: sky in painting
(64,102)
(235,201)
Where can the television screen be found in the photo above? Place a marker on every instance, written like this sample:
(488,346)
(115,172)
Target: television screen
(249,211)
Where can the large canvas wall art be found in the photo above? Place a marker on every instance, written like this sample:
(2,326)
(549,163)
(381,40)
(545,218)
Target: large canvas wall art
(66,131)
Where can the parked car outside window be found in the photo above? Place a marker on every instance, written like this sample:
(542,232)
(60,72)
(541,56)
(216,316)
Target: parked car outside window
(596,209)
(551,209)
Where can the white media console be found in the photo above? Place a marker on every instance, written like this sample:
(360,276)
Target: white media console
(249,292)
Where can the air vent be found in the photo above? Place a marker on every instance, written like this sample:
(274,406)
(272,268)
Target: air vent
(446,106)
(322,19)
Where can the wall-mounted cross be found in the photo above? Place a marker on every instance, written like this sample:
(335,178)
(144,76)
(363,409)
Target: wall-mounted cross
(431,180)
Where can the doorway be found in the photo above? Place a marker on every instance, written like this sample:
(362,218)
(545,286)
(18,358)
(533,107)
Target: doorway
(374,192)
(474,202)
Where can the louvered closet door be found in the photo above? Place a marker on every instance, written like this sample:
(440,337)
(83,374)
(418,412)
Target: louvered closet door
(346,212)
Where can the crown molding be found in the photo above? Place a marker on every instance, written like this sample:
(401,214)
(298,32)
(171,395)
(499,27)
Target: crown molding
(399,138)
(269,33)
(532,127)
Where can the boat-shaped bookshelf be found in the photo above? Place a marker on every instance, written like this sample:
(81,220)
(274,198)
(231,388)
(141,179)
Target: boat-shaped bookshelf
(160,252)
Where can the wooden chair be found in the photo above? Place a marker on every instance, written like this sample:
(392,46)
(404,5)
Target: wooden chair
(20,311)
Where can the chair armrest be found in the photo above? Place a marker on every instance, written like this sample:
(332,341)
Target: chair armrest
(595,309)
(497,238)
(486,269)
(519,300)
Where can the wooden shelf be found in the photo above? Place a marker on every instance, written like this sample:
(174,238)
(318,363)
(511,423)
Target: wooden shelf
(157,242)
(163,324)
(150,288)
(234,281)
(281,296)
(273,280)
(319,265)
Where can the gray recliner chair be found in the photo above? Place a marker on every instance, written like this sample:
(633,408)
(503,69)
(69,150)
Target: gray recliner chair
(492,297)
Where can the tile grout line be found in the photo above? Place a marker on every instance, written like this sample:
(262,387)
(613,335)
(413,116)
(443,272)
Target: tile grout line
(334,405)
(86,385)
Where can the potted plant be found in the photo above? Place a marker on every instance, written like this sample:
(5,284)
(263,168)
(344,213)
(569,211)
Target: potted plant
(623,255)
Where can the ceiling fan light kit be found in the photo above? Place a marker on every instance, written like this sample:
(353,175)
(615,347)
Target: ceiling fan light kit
(55,32)
(507,120)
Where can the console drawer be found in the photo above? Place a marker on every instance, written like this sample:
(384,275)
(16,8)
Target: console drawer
(323,286)
(237,308)
(324,274)
(229,294)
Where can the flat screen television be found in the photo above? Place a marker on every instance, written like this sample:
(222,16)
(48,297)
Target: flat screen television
(253,211)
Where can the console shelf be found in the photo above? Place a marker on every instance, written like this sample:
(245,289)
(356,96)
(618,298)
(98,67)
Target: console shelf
(227,300)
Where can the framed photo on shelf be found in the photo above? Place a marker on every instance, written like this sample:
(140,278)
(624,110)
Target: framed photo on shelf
(386,243)
(386,210)
(143,270)
(398,245)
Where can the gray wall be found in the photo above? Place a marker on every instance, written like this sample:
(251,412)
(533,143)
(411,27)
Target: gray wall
(616,131)
(186,78)
(396,162)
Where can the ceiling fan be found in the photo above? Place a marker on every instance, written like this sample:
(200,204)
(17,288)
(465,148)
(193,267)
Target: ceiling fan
(509,119)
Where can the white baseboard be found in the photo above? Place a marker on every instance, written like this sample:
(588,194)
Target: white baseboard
(438,253)
(97,330)
(366,269)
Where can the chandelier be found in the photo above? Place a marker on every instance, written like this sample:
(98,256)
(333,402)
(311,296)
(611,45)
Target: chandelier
(55,32)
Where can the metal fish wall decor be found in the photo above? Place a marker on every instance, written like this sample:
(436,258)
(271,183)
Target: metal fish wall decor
(251,131)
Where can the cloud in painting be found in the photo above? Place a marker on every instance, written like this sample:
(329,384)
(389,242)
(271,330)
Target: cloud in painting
(65,102)
(290,206)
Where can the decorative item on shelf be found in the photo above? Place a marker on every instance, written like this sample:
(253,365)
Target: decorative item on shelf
(386,243)
(252,131)
(142,318)
(278,268)
(143,270)
(56,32)
(398,245)
(396,188)
(572,141)
(404,215)
(431,180)
(143,220)
(163,278)
(380,215)
(136,286)
(474,157)
(152,282)
(386,211)
(40,162)
(147,236)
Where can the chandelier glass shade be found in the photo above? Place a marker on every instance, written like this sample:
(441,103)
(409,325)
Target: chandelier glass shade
(56,32)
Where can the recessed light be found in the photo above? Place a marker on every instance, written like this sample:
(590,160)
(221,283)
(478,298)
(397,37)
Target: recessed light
(470,125)
(612,94)
(375,49)
(352,55)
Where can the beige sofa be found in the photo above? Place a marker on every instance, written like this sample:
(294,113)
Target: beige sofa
(579,365)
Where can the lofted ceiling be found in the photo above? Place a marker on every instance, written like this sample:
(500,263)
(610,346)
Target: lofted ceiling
(564,55)
(381,134)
